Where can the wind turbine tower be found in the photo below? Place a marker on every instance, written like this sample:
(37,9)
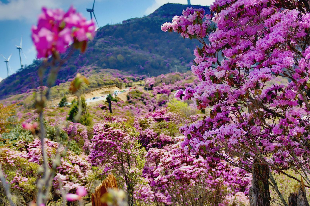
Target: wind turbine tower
(7,63)
(20,49)
(91,12)
(189,2)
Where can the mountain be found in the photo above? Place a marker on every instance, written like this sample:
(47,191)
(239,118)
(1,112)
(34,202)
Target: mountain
(136,45)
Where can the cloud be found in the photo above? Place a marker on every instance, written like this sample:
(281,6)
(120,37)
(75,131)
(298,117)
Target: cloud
(159,3)
(30,9)
(1,79)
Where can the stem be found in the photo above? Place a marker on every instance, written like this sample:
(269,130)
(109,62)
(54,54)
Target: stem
(63,192)
(42,138)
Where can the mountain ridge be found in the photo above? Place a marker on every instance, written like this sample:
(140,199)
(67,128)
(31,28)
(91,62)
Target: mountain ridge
(136,45)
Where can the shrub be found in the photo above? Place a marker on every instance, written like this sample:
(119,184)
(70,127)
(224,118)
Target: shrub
(63,102)
(85,117)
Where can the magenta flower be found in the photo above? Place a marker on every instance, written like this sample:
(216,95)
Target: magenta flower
(80,193)
(57,29)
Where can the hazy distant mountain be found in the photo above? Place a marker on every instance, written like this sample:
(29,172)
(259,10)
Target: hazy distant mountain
(136,45)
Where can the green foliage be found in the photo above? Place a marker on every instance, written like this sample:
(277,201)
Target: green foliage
(7,119)
(56,134)
(74,146)
(167,128)
(16,134)
(134,95)
(63,102)
(85,118)
(181,108)
(176,106)
(73,112)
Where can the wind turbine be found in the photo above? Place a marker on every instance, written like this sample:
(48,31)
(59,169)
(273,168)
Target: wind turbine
(189,2)
(7,63)
(91,12)
(20,49)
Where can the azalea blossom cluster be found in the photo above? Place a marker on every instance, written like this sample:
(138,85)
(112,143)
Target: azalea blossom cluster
(175,176)
(190,25)
(57,29)
(149,82)
(254,84)
(78,132)
(150,139)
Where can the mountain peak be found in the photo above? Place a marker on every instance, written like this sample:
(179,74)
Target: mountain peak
(170,10)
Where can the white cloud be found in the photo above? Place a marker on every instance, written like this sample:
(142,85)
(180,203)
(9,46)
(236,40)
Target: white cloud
(30,9)
(159,3)
(1,79)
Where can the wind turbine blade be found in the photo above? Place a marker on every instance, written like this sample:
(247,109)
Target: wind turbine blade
(21,41)
(9,57)
(3,57)
(93,5)
(96,18)
(24,53)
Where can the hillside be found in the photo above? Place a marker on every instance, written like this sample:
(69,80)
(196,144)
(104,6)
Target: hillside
(137,46)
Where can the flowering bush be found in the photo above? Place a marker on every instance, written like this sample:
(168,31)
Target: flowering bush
(78,133)
(252,116)
(20,173)
(116,149)
(176,177)
(149,82)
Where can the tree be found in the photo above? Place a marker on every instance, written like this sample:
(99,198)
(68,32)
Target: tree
(84,118)
(253,116)
(109,100)
(63,102)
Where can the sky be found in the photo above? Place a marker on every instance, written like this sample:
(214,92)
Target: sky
(17,17)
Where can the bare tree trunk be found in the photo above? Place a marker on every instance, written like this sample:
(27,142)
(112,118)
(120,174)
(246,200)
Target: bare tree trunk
(292,199)
(259,192)
(300,198)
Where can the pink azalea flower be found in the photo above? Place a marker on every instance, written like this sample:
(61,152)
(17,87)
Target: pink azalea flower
(80,193)
(29,126)
(57,29)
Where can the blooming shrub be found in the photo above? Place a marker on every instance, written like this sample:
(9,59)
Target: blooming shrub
(78,133)
(21,168)
(178,178)
(20,173)
(116,149)
(253,116)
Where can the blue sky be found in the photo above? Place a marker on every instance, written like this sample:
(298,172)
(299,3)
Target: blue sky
(17,17)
